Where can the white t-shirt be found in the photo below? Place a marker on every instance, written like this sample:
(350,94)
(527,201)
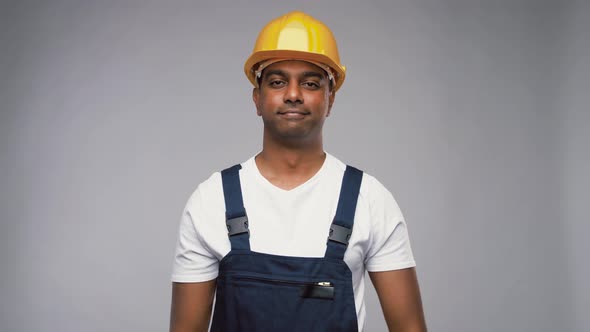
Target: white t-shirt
(294,222)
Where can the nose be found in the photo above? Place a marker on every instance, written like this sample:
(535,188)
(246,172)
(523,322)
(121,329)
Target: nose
(293,94)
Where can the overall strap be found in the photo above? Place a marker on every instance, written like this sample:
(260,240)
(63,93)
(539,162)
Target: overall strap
(236,219)
(341,227)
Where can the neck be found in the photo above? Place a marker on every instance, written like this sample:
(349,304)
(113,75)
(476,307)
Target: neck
(288,158)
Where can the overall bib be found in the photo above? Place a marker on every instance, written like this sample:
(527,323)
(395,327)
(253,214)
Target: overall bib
(265,292)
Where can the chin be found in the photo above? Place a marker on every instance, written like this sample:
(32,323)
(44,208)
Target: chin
(292,133)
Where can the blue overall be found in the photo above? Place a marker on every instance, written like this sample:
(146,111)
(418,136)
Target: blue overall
(265,292)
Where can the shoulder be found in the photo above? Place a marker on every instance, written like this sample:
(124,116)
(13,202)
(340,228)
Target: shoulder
(209,193)
(379,199)
(373,193)
(202,192)
(371,187)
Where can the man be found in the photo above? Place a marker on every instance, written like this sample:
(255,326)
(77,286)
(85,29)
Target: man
(284,238)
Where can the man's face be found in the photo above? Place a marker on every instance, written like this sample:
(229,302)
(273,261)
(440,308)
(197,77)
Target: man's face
(294,99)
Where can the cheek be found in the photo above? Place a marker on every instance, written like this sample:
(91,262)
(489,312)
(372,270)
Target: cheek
(319,102)
(270,100)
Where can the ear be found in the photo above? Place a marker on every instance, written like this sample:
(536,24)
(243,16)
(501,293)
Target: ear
(331,97)
(256,98)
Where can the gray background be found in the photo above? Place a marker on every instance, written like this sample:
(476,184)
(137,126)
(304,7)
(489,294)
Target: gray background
(473,113)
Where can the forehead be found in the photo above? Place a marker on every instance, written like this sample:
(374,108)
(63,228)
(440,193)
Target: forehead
(293,67)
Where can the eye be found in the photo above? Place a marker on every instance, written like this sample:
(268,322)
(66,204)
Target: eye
(311,85)
(276,83)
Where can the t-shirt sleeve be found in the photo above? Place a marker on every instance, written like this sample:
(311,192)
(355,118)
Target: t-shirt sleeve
(389,247)
(193,261)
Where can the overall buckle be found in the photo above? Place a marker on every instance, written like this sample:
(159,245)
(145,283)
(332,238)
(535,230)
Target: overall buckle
(339,234)
(237,225)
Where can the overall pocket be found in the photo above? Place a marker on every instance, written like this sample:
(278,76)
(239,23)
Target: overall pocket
(273,304)
(307,289)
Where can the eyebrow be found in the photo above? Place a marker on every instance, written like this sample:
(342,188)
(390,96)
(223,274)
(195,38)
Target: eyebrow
(306,74)
(313,74)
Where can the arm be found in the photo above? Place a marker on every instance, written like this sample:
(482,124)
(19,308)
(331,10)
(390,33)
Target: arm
(191,306)
(400,300)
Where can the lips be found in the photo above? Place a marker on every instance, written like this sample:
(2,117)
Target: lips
(293,115)
(294,112)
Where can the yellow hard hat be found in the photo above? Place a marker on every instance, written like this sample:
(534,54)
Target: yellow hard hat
(296,36)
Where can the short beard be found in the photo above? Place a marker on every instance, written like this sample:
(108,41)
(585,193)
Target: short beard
(295,137)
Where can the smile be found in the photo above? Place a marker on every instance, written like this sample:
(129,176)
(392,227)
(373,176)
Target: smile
(293,114)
